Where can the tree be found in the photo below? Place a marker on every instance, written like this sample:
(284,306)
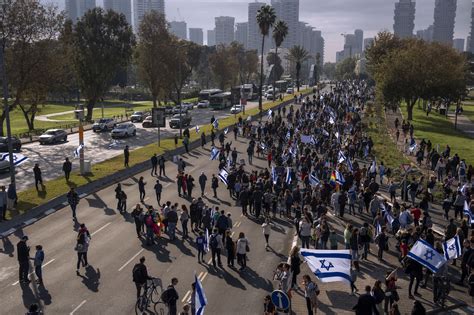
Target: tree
(103,44)
(280,31)
(384,43)
(153,55)
(345,70)
(224,66)
(329,70)
(203,73)
(265,19)
(275,60)
(297,55)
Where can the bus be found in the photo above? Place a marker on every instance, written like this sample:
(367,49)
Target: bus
(205,95)
(221,101)
(250,91)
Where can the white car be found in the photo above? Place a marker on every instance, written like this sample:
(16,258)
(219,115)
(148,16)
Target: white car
(236,109)
(188,106)
(124,130)
(203,104)
(290,91)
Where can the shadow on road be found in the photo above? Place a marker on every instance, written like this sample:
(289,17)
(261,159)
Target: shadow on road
(91,278)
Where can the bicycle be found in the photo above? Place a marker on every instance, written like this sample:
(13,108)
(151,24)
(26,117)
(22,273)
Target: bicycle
(151,296)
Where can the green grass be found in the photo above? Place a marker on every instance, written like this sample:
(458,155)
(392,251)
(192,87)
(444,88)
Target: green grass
(439,130)
(109,111)
(468,111)
(31,198)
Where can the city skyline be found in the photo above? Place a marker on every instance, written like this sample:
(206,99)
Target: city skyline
(332,18)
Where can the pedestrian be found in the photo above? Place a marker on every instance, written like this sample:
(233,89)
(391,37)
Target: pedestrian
(216,245)
(266,226)
(123,201)
(201,246)
(118,191)
(3,203)
(73,200)
(38,263)
(38,176)
(170,297)
(203,139)
(126,156)
(311,292)
(140,276)
(366,303)
(138,218)
(141,188)
(295,262)
(415,270)
(158,189)
(172,221)
(23,252)
(12,198)
(154,165)
(382,242)
(243,246)
(161,164)
(379,296)
(353,279)
(202,182)
(190,185)
(214,184)
(67,168)
(82,246)
(268,306)
(186,144)
(184,218)
(304,231)
(176,141)
(230,247)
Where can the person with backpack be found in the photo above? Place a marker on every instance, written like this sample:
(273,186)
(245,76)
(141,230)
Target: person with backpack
(73,200)
(170,297)
(140,276)
(138,217)
(216,245)
(311,292)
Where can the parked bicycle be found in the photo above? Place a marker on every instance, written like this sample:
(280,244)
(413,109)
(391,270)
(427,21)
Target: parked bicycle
(151,295)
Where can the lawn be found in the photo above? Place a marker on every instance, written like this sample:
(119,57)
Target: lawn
(468,110)
(439,130)
(31,198)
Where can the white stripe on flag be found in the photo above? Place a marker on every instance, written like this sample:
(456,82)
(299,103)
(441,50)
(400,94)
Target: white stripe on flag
(329,265)
(200,299)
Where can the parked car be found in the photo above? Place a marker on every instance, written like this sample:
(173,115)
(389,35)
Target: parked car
(124,130)
(236,109)
(203,104)
(290,91)
(182,120)
(4,166)
(148,122)
(104,124)
(188,106)
(178,109)
(168,110)
(53,136)
(138,116)
(16,144)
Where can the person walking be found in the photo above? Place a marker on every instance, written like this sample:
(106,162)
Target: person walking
(67,168)
(172,218)
(158,189)
(23,253)
(141,188)
(311,292)
(201,246)
(3,203)
(415,270)
(38,176)
(38,263)
(190,185)
(230,247)
(140,276)
(186,144)
(161,164)
(73,200)
(12,199)
(243,246)
(118,190)
(126,156)
(123,201)
(267,228)
(154,165)
(170,297)
(202,182)
(216,245)
(214,184)
(366,303)
(184,218)
(138,218)
(203,140)
(82,246)
(295,262)
(382,242)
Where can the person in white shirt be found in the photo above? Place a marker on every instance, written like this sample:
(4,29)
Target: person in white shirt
(242,248)
(267,228)
(305,232)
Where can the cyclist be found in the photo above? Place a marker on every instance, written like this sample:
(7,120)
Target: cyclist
(140,276)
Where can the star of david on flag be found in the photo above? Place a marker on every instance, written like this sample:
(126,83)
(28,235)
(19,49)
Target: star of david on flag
(197,129)
(223,176)
(329,265)
(425,254)
(313,180)
(214,154)
(452,248)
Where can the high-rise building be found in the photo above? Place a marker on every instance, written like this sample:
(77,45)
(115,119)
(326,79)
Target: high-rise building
(75,9)
(404,18)
(196,35)
(368,42)
(359,41)
(211,37)
(470,44)
(120,6)
(241,33)
(444,18)
(224,30)
(458,44)
(254,40)
(289,12)
(179,29)
(140,7)
(426,34)
(317,45)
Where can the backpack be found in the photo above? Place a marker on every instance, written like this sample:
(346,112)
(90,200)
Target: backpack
(213,242)
(166,296)
(137,274)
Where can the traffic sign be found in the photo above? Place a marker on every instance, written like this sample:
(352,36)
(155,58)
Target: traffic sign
(158,117)
(406,167)
(280,300)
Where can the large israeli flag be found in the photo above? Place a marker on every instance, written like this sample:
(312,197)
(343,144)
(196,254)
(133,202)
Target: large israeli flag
(341,157)
(200,300)
(426,255)
(223,176)
(340,178)
(17,158)
(288,176)
(329,265)
(452,248)
(214,153)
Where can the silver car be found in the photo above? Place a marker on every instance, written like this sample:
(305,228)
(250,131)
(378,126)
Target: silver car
(53,136)
(124,130)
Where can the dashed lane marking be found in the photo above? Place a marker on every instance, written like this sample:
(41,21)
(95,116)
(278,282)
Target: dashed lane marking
(95,232)
(78,307)
(130,260)
(16,282)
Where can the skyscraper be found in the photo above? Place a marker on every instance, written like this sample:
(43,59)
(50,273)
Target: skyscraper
(470,43)
(317,45)
(426,34)
(224,30)
(289,12)
(458,44)
(359,41)
(254,40)
(120,6)
(196,35)
(211,37)
(75,9)
(140,7)
(241,33)
(368,42)
(404,18)
(179,29)
(444,16)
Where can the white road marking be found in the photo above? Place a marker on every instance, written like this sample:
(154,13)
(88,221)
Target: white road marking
(232,234)
(100,229)
(82,195)
(203,276)
(30,221)
(130,260)
(77,307)
(186,296)
(6,233)
(65,203)
(210,260)
(15,283)
(48,212)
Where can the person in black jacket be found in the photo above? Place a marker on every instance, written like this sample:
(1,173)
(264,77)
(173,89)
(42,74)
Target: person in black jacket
(366,304)
(23,252)
(140,276)
(154,165)
(126,156)
(415,270)
(67,168)
(38,177)
(173,297)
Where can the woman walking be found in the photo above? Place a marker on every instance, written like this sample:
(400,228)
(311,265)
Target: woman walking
(184,218)
(82,246)
(354,246)
(242,249)
(295,263)
(266,226)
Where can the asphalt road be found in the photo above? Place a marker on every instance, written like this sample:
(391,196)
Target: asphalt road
(106,287)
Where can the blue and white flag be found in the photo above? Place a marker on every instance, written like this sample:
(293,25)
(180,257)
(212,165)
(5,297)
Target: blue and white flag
(373,167)
(262,146)
(426,255)
(412,147)
(288,135)
(206,244)
(467,212)
(288,176)
(329,265)
(378,229)
(341,157)
(77,152)
(340,178)
(293,151)
(274,175)
(313,141)
(331,121)
(325,133)
(313,180)
(269,114)
(216,124)
(389,218)
(452,248)
(349,165)
(200,299)
(306,139)
(214,153)
(223,174)
(337,134)
(197,129)
(17,158)
(226,131)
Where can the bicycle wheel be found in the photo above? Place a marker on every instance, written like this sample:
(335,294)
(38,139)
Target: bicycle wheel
(154,295)
(160,308)
(141,306)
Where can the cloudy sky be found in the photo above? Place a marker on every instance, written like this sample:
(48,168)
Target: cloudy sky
(332,17)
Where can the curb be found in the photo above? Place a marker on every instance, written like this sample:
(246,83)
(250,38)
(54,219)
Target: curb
(449,308)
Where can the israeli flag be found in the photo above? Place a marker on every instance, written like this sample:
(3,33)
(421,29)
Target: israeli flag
(274,175)
(288,135)
(17,158)
(216,124)
(77,152)
(200,299)
(325,133)
(340,178)
(249,118)
(373,167)
(313,180)
(329,265)
(313,141)
(389,218)
(378,229)
(288,176)
(341,157)
(197,129)
(337,134)
(226,131)
(412,147)
(293,151)
(467,212)
(349,165)
(214,154)
(223,174)
(452,248)
(331,121)
(206,244)
(426,255)
(269,114)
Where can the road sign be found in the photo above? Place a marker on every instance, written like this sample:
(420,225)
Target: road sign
(280,300)
(406,167)
(158,117)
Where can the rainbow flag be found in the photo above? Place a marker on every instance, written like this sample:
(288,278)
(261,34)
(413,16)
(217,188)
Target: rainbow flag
(332,179)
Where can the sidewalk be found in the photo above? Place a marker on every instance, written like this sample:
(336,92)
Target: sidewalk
(464,124)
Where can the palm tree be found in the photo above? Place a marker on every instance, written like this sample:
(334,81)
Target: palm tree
(280,31)
(265,18)
(297,55)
